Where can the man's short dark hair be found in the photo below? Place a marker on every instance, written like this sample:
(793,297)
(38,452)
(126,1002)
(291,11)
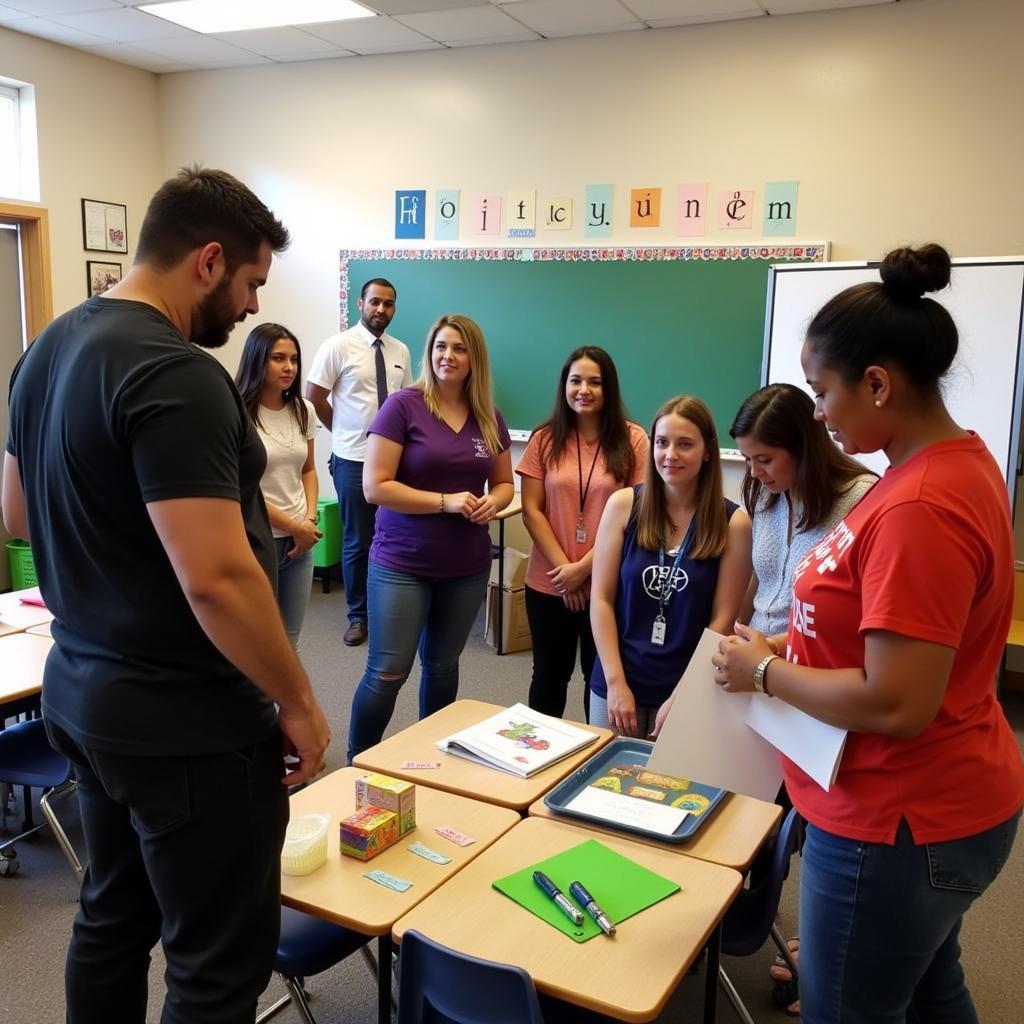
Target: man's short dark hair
(201,205)
(381,282)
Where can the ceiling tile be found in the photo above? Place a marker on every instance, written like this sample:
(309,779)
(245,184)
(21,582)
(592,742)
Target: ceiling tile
(804,6)
(691,10)
(136,57)
(197,49)
(297,58)
(8,15)
(48,8)
(125,25)
(524,36)
(452,26)
(378,33)
(56,33)
(703,19)
(271,42)
(568,17)
(415,6)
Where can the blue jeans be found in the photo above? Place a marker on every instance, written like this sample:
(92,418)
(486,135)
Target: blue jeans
(358,518)
(407,612)
(294,582)
(880,925)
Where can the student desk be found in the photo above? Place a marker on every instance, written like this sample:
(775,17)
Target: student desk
(338,891)
(23,657)
(16,617)
(460,775)
(43,629)
(629,977)
(738,828)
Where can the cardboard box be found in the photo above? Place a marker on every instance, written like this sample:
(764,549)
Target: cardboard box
(371,830)
(393,795)
(515,628)
(514,577)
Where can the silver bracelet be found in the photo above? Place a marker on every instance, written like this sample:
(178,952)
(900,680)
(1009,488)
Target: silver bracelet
(759,672)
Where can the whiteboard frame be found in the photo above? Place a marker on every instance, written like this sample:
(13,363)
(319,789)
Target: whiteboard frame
(1013,467)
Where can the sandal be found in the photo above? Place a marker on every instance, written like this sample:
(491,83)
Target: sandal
(786,992)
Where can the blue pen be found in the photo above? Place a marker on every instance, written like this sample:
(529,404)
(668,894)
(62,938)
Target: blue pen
(556,894)
(581,896)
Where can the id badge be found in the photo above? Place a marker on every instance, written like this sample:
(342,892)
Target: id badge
(658,632)
(581,535)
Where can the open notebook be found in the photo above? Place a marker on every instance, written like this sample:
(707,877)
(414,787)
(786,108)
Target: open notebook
(519,741)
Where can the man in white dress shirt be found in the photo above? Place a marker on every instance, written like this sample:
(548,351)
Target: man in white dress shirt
(352,373)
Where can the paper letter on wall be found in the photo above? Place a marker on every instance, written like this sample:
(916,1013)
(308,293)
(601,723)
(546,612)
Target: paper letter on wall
(780,207)
(599,211)
(446,214)
(645,208)
(736,209)
(522,213)
(410,213)
(487,215)
(691,208)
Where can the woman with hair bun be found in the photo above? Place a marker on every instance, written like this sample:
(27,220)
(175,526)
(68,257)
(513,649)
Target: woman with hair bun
(899,620)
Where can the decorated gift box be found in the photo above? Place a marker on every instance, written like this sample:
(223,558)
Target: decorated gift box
(371,830)
(391,794)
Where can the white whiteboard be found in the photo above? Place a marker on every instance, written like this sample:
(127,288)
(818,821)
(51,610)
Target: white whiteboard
(983,387)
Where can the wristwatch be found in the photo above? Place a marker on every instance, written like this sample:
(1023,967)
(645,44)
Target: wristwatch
(762,665)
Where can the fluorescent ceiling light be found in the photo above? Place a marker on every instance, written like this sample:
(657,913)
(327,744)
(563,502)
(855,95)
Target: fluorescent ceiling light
(238,15)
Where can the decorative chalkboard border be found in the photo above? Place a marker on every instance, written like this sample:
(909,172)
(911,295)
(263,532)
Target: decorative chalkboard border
(814,252)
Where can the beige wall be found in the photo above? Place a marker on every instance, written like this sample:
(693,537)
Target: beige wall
(99,138)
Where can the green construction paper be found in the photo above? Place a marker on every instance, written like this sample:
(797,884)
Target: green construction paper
(620,887)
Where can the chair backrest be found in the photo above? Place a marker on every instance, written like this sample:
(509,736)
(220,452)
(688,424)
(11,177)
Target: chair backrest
(27,759)
(748,921)
(438,985)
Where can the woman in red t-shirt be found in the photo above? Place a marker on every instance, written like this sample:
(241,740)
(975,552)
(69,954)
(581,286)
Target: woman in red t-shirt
(898,625)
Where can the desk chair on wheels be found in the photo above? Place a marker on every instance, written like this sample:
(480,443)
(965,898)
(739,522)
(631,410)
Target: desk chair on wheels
(750,921)
(27,759)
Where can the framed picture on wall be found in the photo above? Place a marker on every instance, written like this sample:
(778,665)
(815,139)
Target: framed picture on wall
(104,226)
(101,276)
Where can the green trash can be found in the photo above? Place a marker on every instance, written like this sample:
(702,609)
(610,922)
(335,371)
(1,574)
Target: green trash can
(327,550)
(23,568)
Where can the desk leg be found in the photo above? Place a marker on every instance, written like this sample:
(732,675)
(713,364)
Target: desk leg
(501,589)
(714,959)
(384,949)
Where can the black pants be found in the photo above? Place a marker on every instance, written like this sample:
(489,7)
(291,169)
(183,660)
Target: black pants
(557,632)
(185,851)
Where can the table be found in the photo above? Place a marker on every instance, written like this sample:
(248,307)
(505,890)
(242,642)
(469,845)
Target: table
(460,775)
(23,657)
(629,977)
(514,508)
(43,629)
(16,617)
(338,891)
(736,832)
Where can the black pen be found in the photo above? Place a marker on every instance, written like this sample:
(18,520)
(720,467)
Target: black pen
(581,896)
(556,894)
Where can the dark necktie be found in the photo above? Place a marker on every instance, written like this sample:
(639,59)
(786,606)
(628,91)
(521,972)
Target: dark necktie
(382,377)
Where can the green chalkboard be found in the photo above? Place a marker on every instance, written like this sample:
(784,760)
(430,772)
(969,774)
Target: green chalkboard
(673,325)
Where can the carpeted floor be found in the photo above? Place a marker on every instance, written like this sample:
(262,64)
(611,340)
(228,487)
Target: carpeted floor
(38,904)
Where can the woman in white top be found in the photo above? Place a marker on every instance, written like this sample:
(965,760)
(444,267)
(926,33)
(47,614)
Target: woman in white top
(269,380)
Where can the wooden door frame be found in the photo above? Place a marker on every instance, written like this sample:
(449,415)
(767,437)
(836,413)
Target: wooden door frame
(35,261)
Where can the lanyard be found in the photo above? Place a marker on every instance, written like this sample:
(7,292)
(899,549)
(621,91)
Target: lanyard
(665,591)
(584,491)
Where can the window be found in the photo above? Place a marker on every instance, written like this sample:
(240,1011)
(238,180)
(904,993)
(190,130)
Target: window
(19,161)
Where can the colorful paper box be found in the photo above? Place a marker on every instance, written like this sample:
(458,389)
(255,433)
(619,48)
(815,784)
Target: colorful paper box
(371,830)
(392,794)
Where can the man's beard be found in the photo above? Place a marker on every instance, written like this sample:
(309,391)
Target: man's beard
(214,317)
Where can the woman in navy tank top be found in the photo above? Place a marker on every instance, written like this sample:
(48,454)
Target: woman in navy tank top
(672,557)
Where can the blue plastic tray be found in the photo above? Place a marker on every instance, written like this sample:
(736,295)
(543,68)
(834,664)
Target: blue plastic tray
(627,751)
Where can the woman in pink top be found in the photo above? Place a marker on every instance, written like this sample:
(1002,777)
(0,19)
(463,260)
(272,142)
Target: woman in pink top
(574,462)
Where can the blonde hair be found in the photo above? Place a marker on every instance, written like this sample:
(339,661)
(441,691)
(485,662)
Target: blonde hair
(652,516)
(479,390)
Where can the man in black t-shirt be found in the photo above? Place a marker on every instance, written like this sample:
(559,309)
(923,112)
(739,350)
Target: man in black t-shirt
(134,469)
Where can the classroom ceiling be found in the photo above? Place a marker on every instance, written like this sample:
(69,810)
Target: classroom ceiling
(116,30)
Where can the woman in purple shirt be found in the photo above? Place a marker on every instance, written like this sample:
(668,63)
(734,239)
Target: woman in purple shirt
(433,447)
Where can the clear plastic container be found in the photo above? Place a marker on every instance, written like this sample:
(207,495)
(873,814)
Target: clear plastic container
(305,844)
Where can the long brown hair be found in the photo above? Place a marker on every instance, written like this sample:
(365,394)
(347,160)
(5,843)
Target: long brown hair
(782,416)
(478,387)
(712,528)
(613,430)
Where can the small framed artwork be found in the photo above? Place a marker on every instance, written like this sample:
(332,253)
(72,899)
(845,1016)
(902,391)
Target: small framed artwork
(104,226)
(101,276)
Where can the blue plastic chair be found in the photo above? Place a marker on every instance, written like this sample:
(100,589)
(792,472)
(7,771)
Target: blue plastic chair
(27,759)
(308,945)
(438,985)
(750,921)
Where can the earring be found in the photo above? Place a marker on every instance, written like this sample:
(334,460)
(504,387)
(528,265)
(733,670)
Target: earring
(878,403)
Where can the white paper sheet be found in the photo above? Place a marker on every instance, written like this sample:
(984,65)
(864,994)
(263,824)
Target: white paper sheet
(628,810)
